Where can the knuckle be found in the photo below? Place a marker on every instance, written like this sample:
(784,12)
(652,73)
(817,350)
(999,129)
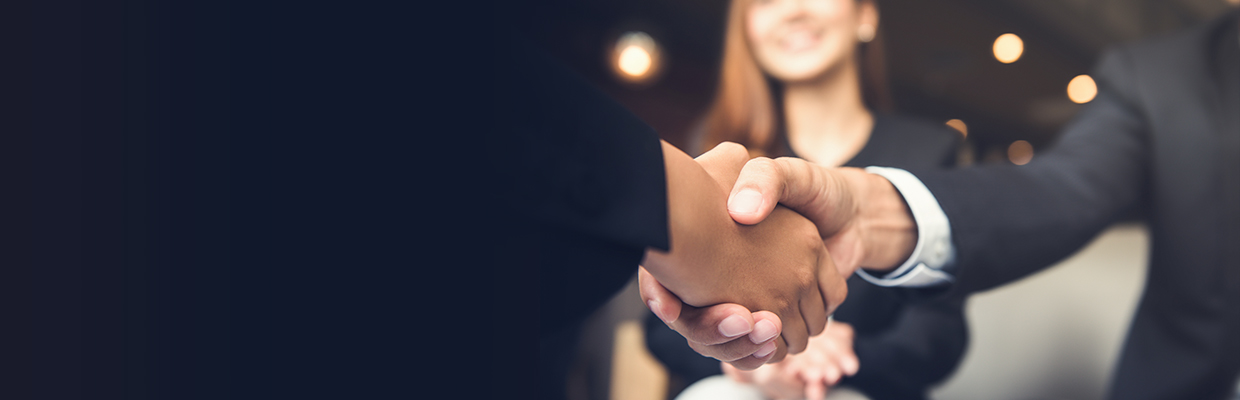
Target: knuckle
(806,278)
(732,353)
(727,352)
(780,354)
(762,165)
(839,294)
(787,307)
(732,149)
(796,345)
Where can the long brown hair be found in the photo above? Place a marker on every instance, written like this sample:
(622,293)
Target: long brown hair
(748,109)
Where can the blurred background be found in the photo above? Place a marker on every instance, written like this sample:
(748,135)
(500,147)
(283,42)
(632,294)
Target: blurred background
(941,56)
(1007,74)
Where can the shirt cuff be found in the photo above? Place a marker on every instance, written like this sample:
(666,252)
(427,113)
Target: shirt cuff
(934,249)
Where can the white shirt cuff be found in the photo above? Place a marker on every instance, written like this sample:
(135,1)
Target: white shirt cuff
(934,248)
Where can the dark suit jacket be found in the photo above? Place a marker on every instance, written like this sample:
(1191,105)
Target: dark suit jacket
(904,345)
(1162,138)
(590,196)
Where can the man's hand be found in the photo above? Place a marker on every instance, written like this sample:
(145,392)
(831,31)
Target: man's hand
(861,217)
(726,332)
(780,266)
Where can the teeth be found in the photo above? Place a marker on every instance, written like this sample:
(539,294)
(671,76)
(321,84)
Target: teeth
(798,41)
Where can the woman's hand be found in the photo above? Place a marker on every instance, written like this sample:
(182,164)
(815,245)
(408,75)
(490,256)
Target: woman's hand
(774,380)
(824,363)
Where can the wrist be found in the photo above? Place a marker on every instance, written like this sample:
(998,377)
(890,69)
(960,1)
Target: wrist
(889,231)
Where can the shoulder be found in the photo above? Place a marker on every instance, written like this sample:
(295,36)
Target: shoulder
(1128,68)
(1188,42)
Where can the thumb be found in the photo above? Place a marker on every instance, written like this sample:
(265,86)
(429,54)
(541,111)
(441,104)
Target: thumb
(823,195)
(757,190)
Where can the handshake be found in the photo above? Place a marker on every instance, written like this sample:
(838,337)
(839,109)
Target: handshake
(751,285)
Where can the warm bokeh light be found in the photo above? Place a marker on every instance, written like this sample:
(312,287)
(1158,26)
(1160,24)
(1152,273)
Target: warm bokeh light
(959,126)
(1008,48)
(636,57)
(634,61)
(1020,152)
(1082,89)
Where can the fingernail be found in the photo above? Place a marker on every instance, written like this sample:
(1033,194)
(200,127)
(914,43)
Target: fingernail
(745,201)
(765,350)
(733,326)
(763,331)
(654,308)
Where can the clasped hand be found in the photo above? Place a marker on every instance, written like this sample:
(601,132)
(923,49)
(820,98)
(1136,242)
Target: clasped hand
(800,232)
(718,270)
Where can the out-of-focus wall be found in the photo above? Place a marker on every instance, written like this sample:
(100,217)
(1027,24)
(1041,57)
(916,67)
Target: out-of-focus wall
(1056,334)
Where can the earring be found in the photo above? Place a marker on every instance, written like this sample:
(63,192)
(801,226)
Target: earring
(865,33)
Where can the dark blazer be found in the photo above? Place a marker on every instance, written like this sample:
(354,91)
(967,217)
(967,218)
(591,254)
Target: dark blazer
(1162,139)
(589,180)
(904,345)
(589,191)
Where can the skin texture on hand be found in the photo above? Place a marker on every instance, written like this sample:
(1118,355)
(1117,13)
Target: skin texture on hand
(861,217)
(809,375)
(726,332)
(780,265)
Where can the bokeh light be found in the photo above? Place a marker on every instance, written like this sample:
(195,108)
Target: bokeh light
(636,57)
(1008,48)
(1020,152)
(1082,89)
(634,61)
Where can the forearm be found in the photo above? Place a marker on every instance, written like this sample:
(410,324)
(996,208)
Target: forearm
(698,222)
(887,228)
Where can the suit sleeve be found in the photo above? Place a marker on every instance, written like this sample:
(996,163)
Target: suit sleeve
(1011,221)
(583,177)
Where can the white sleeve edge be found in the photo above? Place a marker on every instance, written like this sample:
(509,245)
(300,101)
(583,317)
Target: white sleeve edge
(934,247)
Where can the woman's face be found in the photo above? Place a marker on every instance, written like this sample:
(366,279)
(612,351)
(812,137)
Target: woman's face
(798,40)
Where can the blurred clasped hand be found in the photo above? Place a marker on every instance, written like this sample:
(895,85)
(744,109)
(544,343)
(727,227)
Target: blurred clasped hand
(808,375)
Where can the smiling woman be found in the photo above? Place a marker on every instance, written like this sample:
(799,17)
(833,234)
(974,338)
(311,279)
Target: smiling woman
(772,44)
(819,40)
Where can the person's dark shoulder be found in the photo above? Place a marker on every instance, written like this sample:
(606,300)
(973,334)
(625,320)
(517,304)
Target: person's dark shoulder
(1190,43)
(903,141)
